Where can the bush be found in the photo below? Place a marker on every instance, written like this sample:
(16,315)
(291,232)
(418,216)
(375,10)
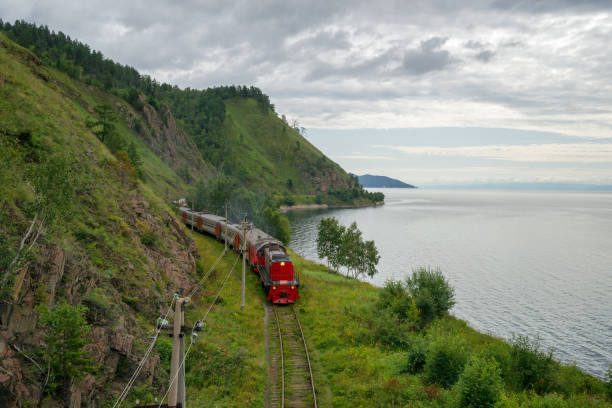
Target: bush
(427,283)
(148,239)
(387,329)
(416,355)
(445,361)
(480,384)
(533,368)
(394,297)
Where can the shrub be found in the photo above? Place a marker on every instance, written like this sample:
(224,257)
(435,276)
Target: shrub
(387,329)
(533,368)
(445,361)
(500,352)
(416,355)
(394,297)
(480,384)
(148,239)
(164,349)
(65,338)
(427,283)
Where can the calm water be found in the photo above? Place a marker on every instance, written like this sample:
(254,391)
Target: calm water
(530,263)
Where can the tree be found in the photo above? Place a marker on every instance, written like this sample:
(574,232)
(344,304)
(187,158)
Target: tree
(343,246)
(329,237)
(350,248)
(277,224)
(64,353)
(136,160)
(368,259)
(429,286)
(104,125)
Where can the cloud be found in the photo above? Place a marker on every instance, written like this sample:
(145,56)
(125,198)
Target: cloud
(544,153)
(541,65)
(428,57)
(485,55)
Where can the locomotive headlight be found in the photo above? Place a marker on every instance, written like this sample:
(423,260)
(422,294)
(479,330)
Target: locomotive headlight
(293,287)
(273,287)
(282,264)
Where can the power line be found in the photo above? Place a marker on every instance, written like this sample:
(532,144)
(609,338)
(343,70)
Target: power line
(128,386)
(134,376)
(173,379)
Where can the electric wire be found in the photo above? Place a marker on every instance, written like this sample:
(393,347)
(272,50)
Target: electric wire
(198,285)
(212,304)
(175,375)
(128,386)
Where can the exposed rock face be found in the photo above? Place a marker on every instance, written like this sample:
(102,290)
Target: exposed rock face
(112,339)
(162,135)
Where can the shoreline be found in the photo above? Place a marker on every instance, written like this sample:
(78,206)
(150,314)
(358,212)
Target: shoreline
(303,207)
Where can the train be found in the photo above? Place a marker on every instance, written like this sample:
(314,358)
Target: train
(266,255)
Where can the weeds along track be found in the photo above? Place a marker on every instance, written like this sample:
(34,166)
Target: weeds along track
(290,381)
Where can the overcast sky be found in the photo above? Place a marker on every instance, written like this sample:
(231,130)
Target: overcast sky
(542,66)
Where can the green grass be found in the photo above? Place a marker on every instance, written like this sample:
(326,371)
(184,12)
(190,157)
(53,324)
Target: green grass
(227,367)
(271,152)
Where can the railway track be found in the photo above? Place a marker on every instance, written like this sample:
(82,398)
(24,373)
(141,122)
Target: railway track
(290,381)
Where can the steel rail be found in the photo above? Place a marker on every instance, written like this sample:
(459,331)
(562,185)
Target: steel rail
(280,339)
(314,393)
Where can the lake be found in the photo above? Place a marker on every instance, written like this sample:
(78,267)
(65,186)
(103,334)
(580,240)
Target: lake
(521,262)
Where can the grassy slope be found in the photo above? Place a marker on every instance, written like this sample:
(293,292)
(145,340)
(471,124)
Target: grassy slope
(101,238)
(270,153)
(351,370)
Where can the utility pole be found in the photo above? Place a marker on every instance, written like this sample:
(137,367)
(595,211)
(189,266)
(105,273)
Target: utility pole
(176,394)
(244,254)
(177,387)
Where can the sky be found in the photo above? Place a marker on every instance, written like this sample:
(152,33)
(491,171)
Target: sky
(432,92)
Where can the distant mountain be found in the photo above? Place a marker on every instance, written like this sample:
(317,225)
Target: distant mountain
(368,180)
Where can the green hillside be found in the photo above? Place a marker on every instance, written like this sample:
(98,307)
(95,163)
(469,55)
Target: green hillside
(78,228)
(235,129)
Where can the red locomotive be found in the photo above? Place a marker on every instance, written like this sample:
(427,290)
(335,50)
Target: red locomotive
(266,255)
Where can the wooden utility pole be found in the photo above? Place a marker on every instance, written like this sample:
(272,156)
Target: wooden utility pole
(177,374)
(244,255)
(176,393)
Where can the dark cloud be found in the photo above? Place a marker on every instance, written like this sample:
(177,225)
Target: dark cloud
(474,45)
(485,55)
(547,61)
(428,57)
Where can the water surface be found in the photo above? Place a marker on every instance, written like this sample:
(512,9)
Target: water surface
(529,263)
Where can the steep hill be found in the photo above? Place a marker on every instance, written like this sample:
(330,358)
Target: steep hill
(78,227)
(235,129)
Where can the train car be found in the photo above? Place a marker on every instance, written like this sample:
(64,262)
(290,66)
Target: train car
(265,254)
